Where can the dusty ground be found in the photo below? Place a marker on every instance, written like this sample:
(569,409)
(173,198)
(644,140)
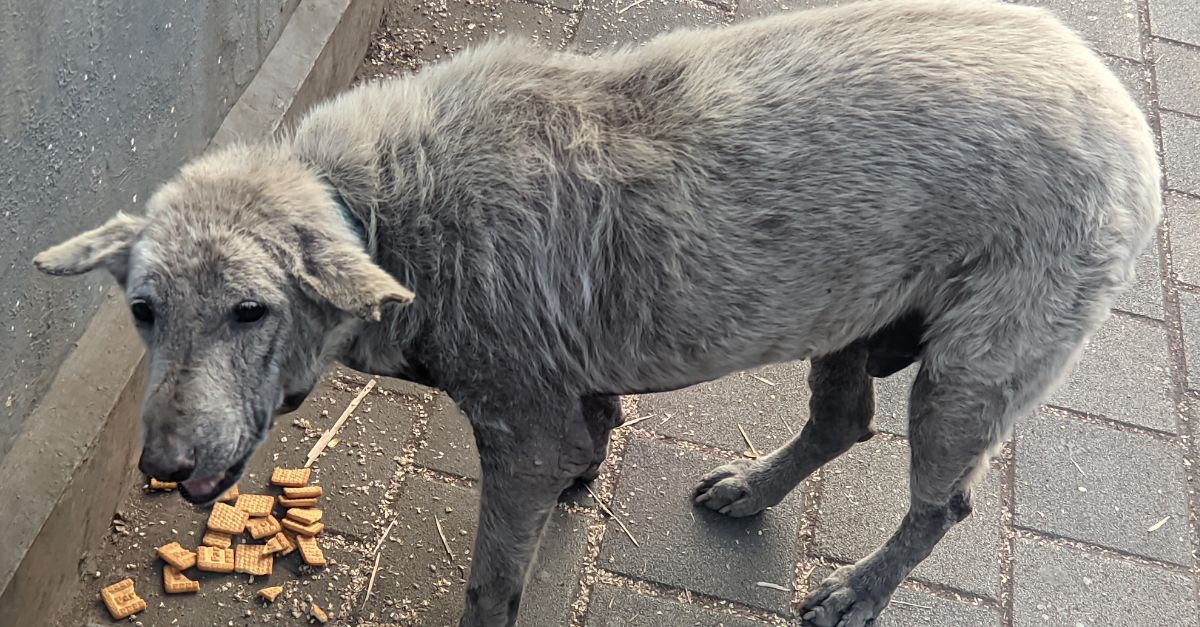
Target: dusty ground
(1067,531)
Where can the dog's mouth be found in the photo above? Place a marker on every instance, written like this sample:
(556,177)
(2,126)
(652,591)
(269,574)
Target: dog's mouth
(204,490)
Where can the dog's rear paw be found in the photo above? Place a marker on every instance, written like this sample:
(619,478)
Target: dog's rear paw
(843,600)
(730,490)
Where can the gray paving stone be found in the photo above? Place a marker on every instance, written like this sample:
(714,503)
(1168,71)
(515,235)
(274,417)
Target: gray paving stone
(555,576)
(1110,25)
(1145,296)
(692,547)
(1190,305)
(1055,586)
(910,608)
(891,401)
(864,497)
(771,408)
(1184,215)
(750,9)
(1175,19)
(564,5)
(1123,376)
(613,607)
(449,442)
(1099,485)
(602,26)
(1181,151)
(1178,70)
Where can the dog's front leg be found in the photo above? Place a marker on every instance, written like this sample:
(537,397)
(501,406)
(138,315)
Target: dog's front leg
(527,458)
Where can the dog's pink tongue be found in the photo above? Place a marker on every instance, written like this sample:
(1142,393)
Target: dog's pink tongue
(200,487)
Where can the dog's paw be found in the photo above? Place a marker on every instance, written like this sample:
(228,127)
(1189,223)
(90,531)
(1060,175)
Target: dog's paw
(843,600)
(730,490)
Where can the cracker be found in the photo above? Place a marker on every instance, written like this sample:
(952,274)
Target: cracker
(226,519)
(214,559)
(253,559)
(275,544)
(318,614)
(297,502)
(271,593)
(256,504)
(260,528)
(216,538)
(307,492)
(175,583)
(177,556)
(230,494)
(291,477)
(305,515)
(302,529)
(288,540)
(122,600)
(155,484)
(309,551)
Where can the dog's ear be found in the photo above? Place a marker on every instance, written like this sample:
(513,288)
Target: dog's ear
(342,274)
(106,246)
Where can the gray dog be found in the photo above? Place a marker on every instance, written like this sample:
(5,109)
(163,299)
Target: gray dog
(960,183)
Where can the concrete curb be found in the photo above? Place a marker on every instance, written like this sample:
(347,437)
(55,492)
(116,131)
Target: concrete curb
(63,478)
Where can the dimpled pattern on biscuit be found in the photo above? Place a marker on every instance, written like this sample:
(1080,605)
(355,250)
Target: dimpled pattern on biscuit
(266,526)
(253,559)
(226,519)
(214,559)
(175,583)
(122,600)
(307,492)
(256,504)
(177,556)
(291,477)
(309,551)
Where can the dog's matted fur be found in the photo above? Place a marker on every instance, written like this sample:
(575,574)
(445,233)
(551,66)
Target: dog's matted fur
(959,183)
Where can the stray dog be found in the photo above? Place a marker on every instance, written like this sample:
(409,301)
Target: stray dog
(962,184)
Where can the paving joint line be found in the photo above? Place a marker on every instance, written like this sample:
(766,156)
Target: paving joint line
(1160,38)
(1008,534)
(1112,423)
(685,444)
(814,492)
(1129,315)
(937,590)
(441,476)
(1031,534)
(683,596)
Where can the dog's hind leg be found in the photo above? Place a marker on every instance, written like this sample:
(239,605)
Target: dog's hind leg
(962,407)
(840,413)
(529,452)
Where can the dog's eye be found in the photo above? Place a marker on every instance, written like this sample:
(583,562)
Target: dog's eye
(142,311)
(249,311)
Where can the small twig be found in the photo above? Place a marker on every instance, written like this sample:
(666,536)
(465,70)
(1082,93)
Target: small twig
(773,586)
(613,516)
(375,568)
(319,447)
(1071,456)
(634,4)
(767,381)
(442,534)
(748,442)
(634,421)
(1158,525)
(923,607)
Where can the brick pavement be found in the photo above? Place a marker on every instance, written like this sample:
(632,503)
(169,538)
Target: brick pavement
(1089,516)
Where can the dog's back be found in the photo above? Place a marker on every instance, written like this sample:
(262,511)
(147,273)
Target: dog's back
(764,180)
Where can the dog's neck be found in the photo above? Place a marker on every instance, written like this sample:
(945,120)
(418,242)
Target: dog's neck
(352,220)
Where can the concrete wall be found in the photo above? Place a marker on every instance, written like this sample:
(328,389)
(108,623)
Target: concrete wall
(100,101)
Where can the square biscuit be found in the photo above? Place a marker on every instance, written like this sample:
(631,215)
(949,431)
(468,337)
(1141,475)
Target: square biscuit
(307,492)
(301,529)
(258,505)
(177,556)
(264,527)
(253,559)
(216,538)
(291,477)
(309,551)
(305,515)
(230,494)
(175,583)
(288,540)
(226,519)
(286,502)
(122,600)
(214,559)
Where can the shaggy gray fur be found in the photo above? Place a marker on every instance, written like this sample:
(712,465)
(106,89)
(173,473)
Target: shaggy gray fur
(962,183)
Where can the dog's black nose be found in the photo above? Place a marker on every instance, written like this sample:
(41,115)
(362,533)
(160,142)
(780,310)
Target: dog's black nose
(177,468)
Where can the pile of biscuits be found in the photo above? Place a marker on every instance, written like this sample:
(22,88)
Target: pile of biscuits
(252,514)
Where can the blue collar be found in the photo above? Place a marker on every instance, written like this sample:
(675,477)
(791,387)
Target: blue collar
(359,228)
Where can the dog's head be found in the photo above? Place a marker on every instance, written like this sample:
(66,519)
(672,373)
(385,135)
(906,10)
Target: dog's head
(245,279)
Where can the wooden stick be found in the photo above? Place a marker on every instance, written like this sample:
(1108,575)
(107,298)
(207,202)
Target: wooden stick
(319,447)
(635,3)
(375,568)
(613,516)
(748,442)
(633,422)
(442,534)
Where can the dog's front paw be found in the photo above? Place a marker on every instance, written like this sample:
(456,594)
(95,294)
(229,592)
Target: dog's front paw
(844,599)
(730,490)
